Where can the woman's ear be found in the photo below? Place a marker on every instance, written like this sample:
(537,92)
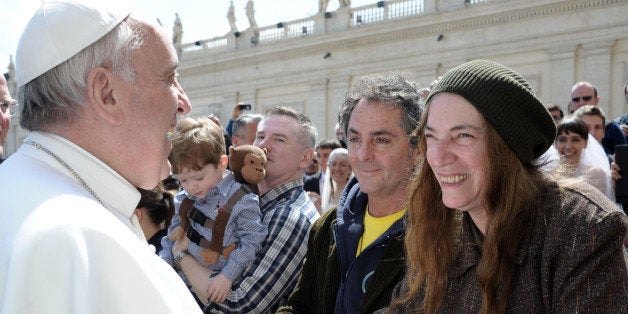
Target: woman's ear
(139,213)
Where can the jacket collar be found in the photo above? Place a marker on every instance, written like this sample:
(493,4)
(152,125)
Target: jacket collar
(471,248)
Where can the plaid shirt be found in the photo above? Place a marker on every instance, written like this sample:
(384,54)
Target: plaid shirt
(288,213)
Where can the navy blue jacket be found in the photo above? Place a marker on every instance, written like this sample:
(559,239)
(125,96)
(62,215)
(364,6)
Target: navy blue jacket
(333,280)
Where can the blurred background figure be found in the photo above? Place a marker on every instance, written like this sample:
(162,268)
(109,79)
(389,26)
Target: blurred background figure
(154,212)
(225,134)
(584,94)
(336,177)
(571,139)
(314,183)
(623,119)
(556,112)
(7,104)
(313,167)
(171,185)
(244,128)
(340,135)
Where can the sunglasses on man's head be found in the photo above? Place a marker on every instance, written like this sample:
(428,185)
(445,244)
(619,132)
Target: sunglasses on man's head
(584,98)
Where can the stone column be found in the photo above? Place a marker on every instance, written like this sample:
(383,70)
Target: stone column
(316,107)
(561,75)
(597,69)
(337,90)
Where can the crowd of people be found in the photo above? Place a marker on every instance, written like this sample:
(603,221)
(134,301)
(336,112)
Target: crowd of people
(469,195)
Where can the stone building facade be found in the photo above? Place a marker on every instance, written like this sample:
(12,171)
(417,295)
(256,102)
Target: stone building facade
(310,63)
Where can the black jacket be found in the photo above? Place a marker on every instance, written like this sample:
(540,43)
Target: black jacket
(310,183)
(323,278)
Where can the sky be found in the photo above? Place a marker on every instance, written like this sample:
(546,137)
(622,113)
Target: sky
(201,19)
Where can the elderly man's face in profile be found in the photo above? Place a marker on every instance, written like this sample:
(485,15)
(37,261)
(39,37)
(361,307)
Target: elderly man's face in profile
(6,102)
(154,100)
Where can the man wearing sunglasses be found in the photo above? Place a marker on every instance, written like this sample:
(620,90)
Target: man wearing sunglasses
(7,105)
(585,93)
(582,94)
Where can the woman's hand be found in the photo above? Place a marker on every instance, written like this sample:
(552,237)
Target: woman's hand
(615,173)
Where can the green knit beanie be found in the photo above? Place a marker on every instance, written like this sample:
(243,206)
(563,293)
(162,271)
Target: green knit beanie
(506,101)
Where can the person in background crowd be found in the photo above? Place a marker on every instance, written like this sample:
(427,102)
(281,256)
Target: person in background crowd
(289,138)
(315,182)
(594,154)
(243,129)
(6,105)
(154,213)
(623,123)
(337,176)
(313,167)
(237,111)
(570,143)
(556,112)
(585,93)
(355,256)
(98,107)
(509,239)
(623,119)
(340,136)
(226,135)
(595,120)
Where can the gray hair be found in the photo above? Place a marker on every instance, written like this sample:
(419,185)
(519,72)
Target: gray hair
(53,98)
(338,152)
(390,88)
(242,121)
(306,131)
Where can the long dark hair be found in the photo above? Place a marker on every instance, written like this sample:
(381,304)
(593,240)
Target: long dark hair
(159,205)
(433,233)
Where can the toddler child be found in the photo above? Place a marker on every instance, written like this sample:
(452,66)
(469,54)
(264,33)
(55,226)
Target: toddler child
(199,163)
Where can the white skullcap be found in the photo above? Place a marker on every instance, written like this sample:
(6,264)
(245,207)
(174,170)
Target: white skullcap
(58,31)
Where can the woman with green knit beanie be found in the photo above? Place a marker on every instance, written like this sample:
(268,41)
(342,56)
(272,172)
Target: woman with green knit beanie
(487,232)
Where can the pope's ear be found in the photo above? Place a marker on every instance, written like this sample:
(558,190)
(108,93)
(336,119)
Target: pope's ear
(101,96)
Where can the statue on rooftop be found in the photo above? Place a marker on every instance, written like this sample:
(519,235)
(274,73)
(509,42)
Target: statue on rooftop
(11,68)
(231,18)
(11,81)
(250,14)
(322,5)
(177,31)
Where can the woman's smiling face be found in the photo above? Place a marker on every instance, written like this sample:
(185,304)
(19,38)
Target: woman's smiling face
(569,146)
(456,138)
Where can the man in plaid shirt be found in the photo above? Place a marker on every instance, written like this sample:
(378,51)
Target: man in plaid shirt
(289,138)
